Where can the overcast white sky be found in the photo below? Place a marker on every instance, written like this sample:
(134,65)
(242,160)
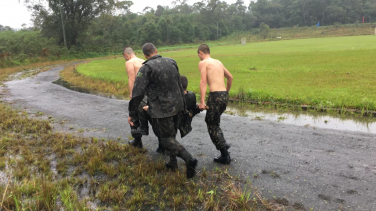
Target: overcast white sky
(14,14)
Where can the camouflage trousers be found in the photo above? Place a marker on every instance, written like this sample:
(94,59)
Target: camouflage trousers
(141,119)
(165,129)
(217,103)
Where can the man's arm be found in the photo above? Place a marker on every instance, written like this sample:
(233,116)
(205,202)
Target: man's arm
(203,83)
(229,79)
(131,76)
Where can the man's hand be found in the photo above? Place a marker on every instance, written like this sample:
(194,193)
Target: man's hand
(202,106)
(145,108)
(130,121)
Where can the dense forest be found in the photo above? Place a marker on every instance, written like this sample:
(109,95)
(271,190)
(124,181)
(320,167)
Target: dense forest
(102,26)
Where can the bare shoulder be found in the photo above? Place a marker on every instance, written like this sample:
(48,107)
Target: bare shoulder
(202,63)
(131,61)
(217,61)
(127,63)
(141,60)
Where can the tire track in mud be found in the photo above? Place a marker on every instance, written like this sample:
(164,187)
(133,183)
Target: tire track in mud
(299,167)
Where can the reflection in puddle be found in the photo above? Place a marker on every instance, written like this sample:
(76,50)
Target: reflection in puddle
(307,119)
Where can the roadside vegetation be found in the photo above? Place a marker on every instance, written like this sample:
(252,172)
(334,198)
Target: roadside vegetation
(109,87)
(336,72)
(41,169)
(291,33)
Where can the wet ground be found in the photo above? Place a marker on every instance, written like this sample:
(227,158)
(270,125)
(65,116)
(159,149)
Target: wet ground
(310,118)
(301,165)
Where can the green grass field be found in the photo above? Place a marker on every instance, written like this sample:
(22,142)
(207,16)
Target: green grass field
(337,72)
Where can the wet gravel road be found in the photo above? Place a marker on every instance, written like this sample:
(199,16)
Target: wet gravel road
(301,166)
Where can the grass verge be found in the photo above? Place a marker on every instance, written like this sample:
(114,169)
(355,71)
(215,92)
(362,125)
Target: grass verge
(95,85)
(44,170)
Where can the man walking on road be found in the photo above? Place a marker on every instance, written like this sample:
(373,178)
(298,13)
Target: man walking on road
(213,73)
(140,121)
(132,66)
(159,78)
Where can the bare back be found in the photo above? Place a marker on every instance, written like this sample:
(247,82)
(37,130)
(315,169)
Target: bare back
(136,63)
(215,72)
(132,66)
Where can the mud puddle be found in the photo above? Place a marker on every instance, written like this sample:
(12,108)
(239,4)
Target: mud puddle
(307,119)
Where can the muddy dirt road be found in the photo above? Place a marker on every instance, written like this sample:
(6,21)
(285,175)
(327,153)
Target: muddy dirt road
(301,166)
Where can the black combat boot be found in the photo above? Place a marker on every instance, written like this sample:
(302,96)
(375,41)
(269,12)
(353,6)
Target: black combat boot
(225,156)
(190,163)
(136,142)
(172,164)
(191,168)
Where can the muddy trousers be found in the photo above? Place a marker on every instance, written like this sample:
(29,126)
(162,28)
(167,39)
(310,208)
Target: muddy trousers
(217,103)
(143,115)
(140,119)
(165,129)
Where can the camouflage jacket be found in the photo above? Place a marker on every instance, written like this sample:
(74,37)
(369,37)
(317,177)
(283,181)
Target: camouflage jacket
(159,80)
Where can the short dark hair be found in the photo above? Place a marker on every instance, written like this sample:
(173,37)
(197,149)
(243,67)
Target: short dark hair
(184,82)
(148,49)
(204,48)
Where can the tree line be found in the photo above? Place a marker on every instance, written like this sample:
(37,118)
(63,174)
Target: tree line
(108,25)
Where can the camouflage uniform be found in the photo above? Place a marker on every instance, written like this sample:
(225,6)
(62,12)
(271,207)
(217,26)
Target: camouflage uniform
(217,102)
(159,80)
(141,118)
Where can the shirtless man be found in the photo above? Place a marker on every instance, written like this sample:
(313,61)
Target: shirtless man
(213,73)
(132,66)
